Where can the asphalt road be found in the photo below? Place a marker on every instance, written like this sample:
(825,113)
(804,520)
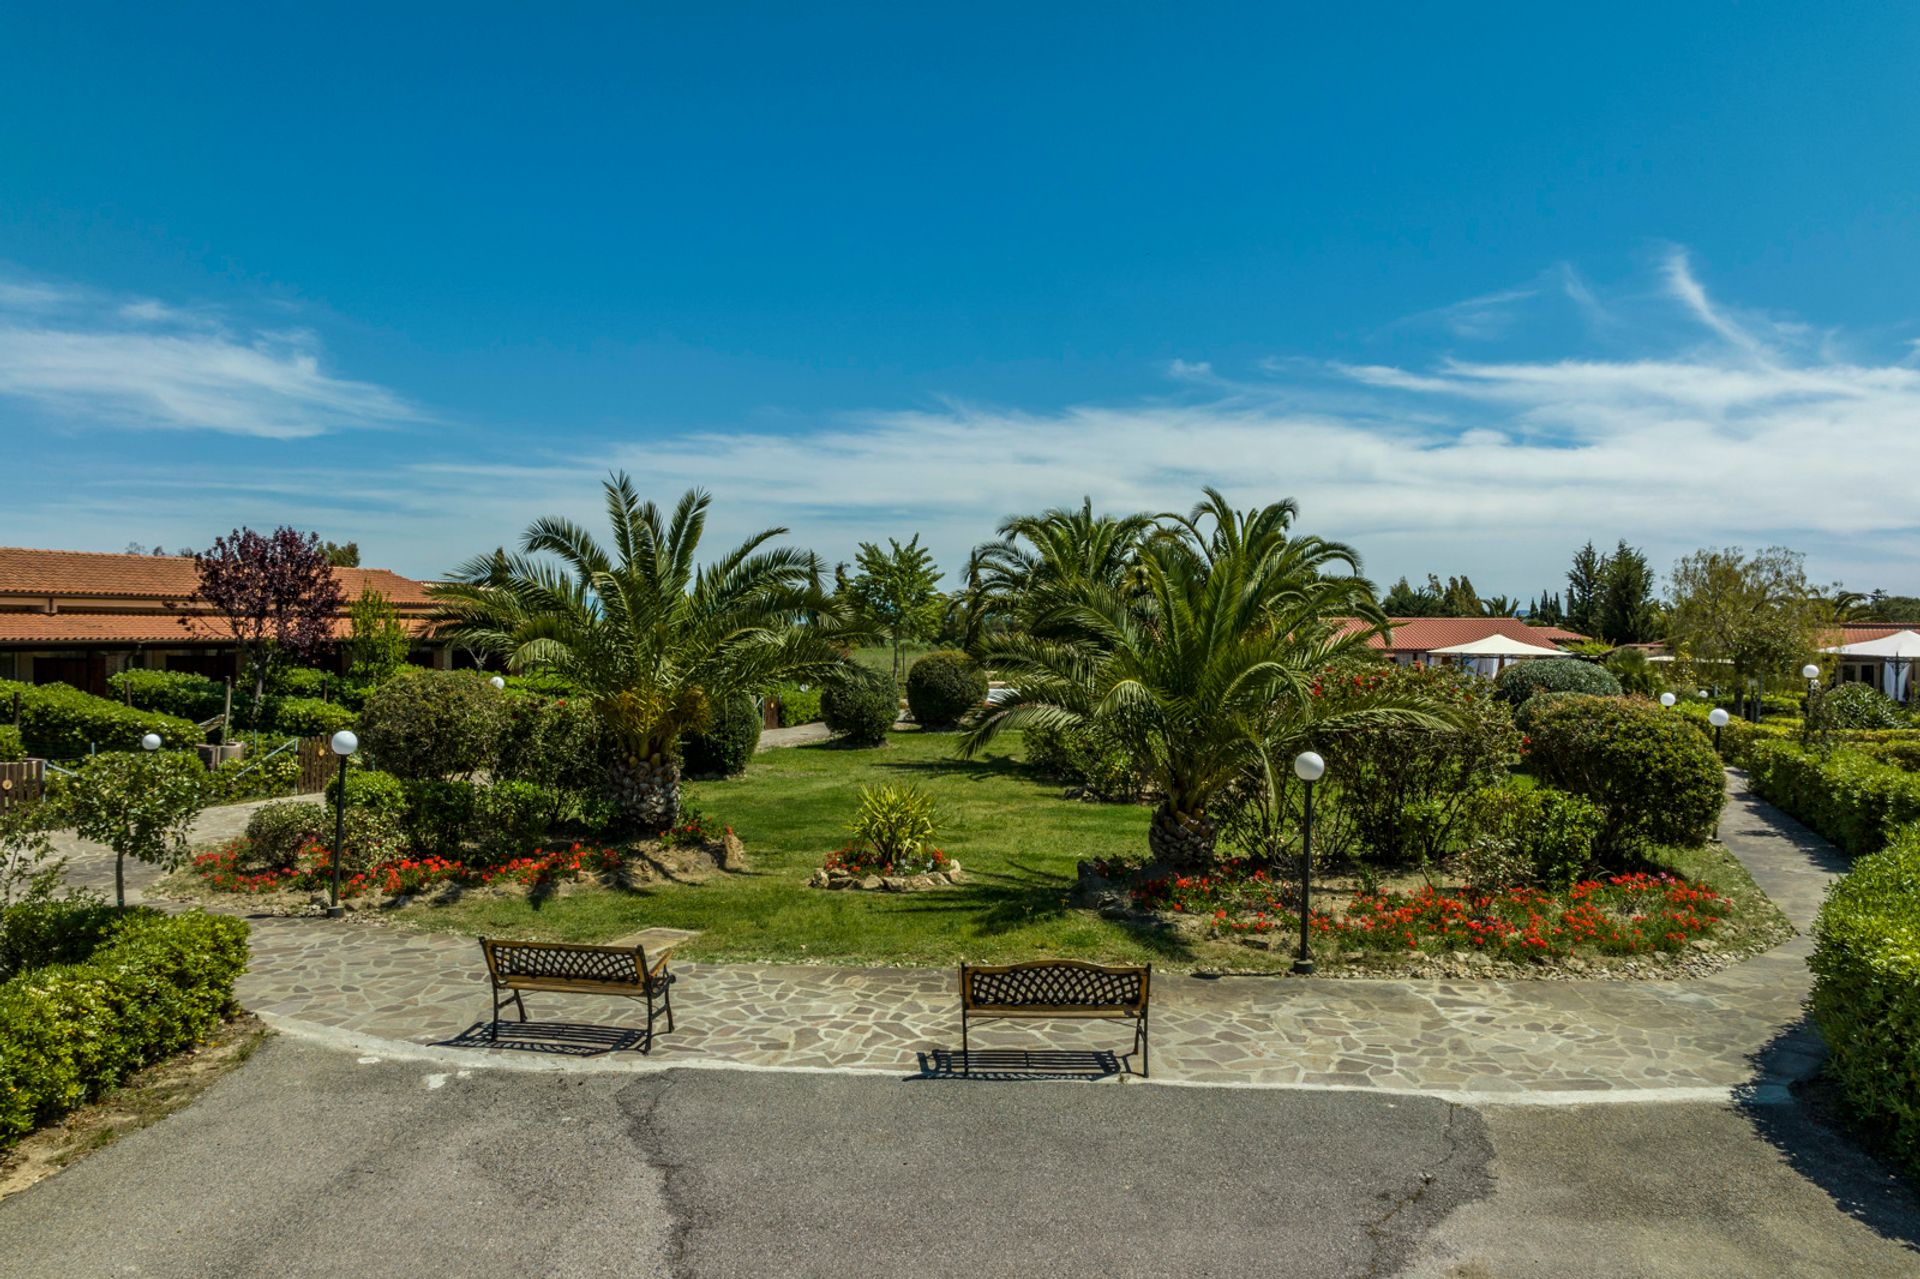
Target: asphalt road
(307,1161)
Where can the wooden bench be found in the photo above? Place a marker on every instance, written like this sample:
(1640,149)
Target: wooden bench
(564,968)
(1049,988)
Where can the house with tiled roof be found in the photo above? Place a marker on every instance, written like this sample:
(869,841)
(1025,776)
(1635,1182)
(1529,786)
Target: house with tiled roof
(78,617)
(1419,639)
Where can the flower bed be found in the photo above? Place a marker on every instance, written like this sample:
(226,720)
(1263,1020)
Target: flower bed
(1626,914)
(222,869)
(867,869)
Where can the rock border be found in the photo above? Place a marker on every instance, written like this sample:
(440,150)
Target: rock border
(845,881)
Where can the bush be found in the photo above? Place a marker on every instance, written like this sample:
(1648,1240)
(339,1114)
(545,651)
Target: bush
(860,706)
(1552,834)
(1866,990)
(1901,752)
(553,742)
(310,717)
(1655,779)
(254,776)
(944,688)
(276,833)
(440,817)
(434,725)
(723,748)
(189,696)
(12,745)
(154,985)
(798,705)
(58,721)
(1554,675)
(299,681)
(1861,706)
(511,819)
(1089,758)
(1851,798)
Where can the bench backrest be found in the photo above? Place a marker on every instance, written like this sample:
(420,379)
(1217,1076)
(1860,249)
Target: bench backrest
(1054,983)
(565,961)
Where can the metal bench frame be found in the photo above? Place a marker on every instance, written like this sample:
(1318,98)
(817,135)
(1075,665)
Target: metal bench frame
(1056,988)
(568,968)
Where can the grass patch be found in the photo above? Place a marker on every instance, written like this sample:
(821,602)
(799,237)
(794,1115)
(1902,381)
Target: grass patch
(147,1097)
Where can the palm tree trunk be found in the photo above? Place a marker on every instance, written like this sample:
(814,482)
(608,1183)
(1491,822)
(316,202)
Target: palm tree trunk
(645,792)
(1181,840)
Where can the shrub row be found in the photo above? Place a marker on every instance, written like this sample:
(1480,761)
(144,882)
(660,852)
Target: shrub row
(72,1028)
(1852,799)
(1866,990)
(798,705)
(58,721)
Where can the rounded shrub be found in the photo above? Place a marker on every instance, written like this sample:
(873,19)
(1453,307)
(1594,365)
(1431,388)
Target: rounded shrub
(798,705)
(277,832)
(434,725)
(723,748)
(1554,675)
(860,705)
(310,717)
(943,688)
(1655,778)
(441,816)
(511,819)
(379,808)
(1866,990)
(1861,706)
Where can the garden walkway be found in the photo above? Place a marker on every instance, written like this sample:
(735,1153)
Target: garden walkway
(389,992)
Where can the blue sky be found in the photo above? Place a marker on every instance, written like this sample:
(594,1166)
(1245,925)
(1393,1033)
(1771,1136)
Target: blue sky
(1475,284)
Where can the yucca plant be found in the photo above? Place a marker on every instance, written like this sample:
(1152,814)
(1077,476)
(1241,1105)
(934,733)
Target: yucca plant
(1210,661)
(653,639)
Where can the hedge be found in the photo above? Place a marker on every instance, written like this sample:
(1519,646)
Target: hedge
(181,693)
(1852,799)
(1650,773)
(943,688)
(12,745)
(1866,990)
(723,748)
(58,721)
(1554,675)
(310,717)
(155,984)
(798,705)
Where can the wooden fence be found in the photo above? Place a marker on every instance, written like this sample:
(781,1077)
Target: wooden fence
(21,782)
(318,766)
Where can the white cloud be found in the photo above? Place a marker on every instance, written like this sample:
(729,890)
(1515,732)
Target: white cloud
(139,362)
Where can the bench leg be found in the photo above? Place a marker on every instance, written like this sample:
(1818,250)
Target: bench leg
(966,1048)
(1140,1043)
(521,1004)
(669,995)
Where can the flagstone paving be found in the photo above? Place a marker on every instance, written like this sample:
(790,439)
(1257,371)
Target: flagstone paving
(1486,1040)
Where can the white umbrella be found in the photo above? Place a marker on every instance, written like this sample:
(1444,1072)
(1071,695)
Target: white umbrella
(1500,648)
(1901,646)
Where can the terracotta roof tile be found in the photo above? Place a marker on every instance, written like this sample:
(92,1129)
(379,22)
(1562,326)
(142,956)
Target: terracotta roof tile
(55,630)
(1424,634)
(93,574)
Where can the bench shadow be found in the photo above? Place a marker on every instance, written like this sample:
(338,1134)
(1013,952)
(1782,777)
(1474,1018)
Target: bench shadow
(551,1038)
(1810,1130)
(1002,1065)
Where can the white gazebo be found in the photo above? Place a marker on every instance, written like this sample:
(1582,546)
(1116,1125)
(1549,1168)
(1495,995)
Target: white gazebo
(1488,656)
(1896,654)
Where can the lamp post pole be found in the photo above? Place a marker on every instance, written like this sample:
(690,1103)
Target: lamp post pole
(344,744)
(1811,674)
(1309,768)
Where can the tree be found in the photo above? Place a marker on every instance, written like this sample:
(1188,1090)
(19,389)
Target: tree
(342,554)
(1546,610)
(275,592)
(1499,606)
(1741,618)
(895,589)
(140,804)
(1583,590)
(1407,600)
(651,638)
(378,641)
(1624,612)
(1015,583)
(1213,659)
(30,871)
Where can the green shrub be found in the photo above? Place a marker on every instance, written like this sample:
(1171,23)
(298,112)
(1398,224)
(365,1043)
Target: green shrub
(154,985)
(1862,706)
(511,818)
(1901,752)
(723,748)
(1851,798)
(310,717)
(1554,834)
(434,725)
(12,745)
(553,742)
(798,705)
(943,688)
(1655,779)
(860,706)
(54,931)
(181,693)
(58,721)
(277,832)
(300,681)
(1089,758)
(254,775)
(1866,990)
(440,817)
(1554,675)
(895,822)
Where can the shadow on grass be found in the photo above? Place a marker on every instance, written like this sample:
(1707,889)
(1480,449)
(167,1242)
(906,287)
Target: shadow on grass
(985,768)
(1023,896)
(1810,1131)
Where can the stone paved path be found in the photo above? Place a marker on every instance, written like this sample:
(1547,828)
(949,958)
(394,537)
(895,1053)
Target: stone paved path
(386,989)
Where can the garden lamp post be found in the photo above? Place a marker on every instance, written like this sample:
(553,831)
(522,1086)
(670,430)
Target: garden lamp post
(344,744)
(498,683)
(1667,700)
(1717,717)
(1810,673)
(1309,768)
(151,742)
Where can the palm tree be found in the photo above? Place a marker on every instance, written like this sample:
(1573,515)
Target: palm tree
(1218,655)
(1014,582)
(652,639)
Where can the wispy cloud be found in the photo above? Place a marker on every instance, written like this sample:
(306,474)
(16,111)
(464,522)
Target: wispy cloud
(124,362)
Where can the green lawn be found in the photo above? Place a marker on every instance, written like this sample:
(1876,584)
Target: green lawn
(1016,837)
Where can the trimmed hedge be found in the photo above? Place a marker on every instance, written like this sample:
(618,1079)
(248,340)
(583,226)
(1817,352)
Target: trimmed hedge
(310,717)
(860,706)
(1554,675)
(798,705)
(1653,777)
(58,721)
(728,741)
(181,693)
(434,725)
(944,688)
(12,745)
(1866,990)
(1851,798)
(152,985)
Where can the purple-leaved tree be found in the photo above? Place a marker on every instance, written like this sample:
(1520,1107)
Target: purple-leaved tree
(274,591)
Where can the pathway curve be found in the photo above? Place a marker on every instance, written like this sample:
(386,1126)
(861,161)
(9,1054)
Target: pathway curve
(386,989)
